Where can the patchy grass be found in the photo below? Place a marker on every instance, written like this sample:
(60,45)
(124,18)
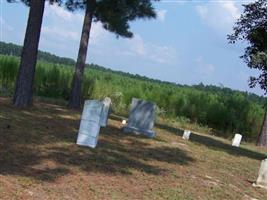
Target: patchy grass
(40,160)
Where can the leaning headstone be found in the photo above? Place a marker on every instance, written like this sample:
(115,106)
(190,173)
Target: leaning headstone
(141,118)
(237,139)
(262,177)
(105,112)
(186,134)
(90,123)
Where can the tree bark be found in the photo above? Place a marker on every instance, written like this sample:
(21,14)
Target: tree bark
(76,90)
(24,84)
(262,139)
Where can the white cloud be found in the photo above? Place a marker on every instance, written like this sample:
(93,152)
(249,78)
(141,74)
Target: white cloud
(202,11)
(137,45)
(65,25)
(58,33)
(220,15)
(161,14)
(152,52)
(60,12)
(204,69)
(5,26)
(231,8)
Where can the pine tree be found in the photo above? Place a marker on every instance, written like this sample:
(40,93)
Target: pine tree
(24,84)
(115,17)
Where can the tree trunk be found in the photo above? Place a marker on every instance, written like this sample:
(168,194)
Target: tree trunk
(76,90)
(24,84)
(262,139)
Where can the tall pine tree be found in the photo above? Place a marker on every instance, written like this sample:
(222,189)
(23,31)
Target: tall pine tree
(24,84)
(115,17)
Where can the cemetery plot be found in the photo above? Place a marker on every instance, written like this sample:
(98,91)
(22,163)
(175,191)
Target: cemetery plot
(38,160)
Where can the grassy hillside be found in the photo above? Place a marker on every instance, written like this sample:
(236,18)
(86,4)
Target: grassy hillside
(39,160)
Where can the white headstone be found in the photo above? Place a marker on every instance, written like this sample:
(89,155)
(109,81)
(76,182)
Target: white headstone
(236,141)
(90,123)
(123,122)
(186,134)
(262,177)
(105,112)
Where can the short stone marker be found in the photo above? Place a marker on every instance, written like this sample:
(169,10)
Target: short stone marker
(236,141)
(262,177)
(124,122)
(186,134)
(105,112)
(90,123)
(141,118)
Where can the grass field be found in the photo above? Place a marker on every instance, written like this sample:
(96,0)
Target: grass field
(40,160)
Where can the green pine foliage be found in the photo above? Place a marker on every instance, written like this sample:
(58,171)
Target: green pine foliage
(222,109)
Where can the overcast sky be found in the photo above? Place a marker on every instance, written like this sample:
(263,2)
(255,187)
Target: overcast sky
(186,44)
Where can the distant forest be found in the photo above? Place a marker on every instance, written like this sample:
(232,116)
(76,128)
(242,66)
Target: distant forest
(224,110)
(15,50)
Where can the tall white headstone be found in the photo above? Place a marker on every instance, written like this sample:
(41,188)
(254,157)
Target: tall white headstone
(105,112)
(262,177)
(90,123)
(186,134)
(237,140)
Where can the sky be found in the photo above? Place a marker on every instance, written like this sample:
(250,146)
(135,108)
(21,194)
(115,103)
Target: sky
(186,43)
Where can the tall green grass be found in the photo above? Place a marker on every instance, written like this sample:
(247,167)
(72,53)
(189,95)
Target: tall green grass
(225,111)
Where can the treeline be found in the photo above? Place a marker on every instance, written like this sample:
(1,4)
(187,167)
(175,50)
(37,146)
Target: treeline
(15,50)
(220,108)
(11,49)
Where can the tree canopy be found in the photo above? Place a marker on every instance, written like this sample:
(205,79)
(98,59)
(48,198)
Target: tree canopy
(252,27)
(115,15)
(27,2)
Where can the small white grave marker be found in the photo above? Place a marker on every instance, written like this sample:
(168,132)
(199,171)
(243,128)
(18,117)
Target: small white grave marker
(186,134)
(262,177)
(236,141)
(105,112)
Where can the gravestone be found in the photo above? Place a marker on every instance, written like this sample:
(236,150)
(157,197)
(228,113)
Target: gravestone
(105,112)
(141,118)
(262,177)
(186,134)
(90,123)
(236,141)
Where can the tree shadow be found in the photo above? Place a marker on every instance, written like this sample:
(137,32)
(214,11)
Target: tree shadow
(215,144)
(120,153)
(40,144)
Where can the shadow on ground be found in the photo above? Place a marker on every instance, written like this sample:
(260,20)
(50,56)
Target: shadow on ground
(39,143)
(215,144)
